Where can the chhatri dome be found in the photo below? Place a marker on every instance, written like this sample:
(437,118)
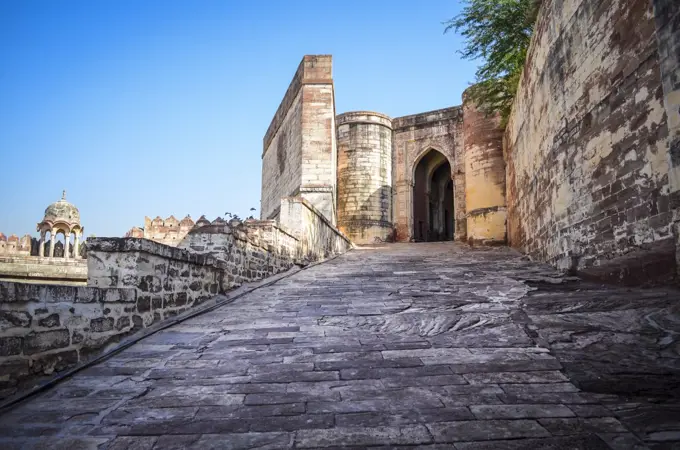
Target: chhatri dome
(61,217)
(62,211)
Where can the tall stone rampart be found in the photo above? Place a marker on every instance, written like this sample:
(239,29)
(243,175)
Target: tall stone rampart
(587,143)
(667,15)
(300,155)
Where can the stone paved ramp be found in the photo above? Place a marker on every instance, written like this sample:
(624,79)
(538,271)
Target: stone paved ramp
(433,346)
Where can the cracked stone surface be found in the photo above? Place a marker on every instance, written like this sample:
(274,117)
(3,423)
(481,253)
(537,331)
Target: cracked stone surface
(433,346)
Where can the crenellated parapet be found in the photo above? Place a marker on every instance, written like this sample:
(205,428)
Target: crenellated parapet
(15,245)
(169,231)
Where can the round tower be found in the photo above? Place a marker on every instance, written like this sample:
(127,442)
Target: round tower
(365,176)
(484,175)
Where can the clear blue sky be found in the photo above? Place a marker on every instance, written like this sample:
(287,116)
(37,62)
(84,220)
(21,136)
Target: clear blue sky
(158,107)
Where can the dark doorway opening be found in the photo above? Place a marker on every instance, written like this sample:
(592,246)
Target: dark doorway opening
(433,213)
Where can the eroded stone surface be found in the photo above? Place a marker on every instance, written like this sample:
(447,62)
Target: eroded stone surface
(430,345)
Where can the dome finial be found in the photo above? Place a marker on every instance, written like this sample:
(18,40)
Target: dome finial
(63,194)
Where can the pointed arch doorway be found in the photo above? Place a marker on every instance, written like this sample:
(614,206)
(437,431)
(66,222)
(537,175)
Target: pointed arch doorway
(433,213)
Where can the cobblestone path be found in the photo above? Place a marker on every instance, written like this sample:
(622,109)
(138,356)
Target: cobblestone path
(434,346)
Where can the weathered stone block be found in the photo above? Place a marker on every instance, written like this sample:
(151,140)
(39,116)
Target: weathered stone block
(38,342)
(101,324)
(50,321)
(144,303)
(10,346)
(120,295)
(10,319)
(122,322)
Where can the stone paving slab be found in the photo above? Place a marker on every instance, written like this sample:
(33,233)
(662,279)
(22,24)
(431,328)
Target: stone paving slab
(432,346)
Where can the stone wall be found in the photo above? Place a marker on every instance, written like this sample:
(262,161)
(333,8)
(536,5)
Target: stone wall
(586,145)
(364,142)
(45,328)
(318,237)
(251,250)
(414,137)
(668,36)
(42,269)
(484,176)
(167,279)
(300,154)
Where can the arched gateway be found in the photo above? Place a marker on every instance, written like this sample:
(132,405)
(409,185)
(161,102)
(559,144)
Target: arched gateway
(433,212)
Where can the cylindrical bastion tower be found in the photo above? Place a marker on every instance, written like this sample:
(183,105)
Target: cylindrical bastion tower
(364,141)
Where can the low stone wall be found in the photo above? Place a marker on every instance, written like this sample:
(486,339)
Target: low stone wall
(252,250)
(47,328)
(168,280)
(319,239)
(36,269)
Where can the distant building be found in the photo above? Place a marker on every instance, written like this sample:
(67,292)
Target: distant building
(46,259)
(169,231)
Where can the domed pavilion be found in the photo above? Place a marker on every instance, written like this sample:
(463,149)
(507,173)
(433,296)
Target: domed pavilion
(61,217)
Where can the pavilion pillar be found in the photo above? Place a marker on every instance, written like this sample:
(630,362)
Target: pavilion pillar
(76,246)
(41,248)
(67,242)
(52,233)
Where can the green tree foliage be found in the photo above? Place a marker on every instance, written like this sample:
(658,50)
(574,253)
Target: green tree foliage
(498,32)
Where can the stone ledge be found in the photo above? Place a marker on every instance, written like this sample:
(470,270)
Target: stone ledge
(311,207)
(429,118)
(127,245)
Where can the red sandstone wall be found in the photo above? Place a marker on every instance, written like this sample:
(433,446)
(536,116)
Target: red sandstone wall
(586,146)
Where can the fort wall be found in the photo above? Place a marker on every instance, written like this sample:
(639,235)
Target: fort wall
(587,143)
(667,16)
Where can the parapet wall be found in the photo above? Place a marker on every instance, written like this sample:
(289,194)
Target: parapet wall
(587,144)
(318,237)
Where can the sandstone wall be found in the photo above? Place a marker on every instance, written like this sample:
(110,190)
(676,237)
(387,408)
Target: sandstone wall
(282,159)
(45,328)
(300,155)
(667,15)
(318,237)
(36,269)
(365,176)
(586,146)
(484,176)
(414,136)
